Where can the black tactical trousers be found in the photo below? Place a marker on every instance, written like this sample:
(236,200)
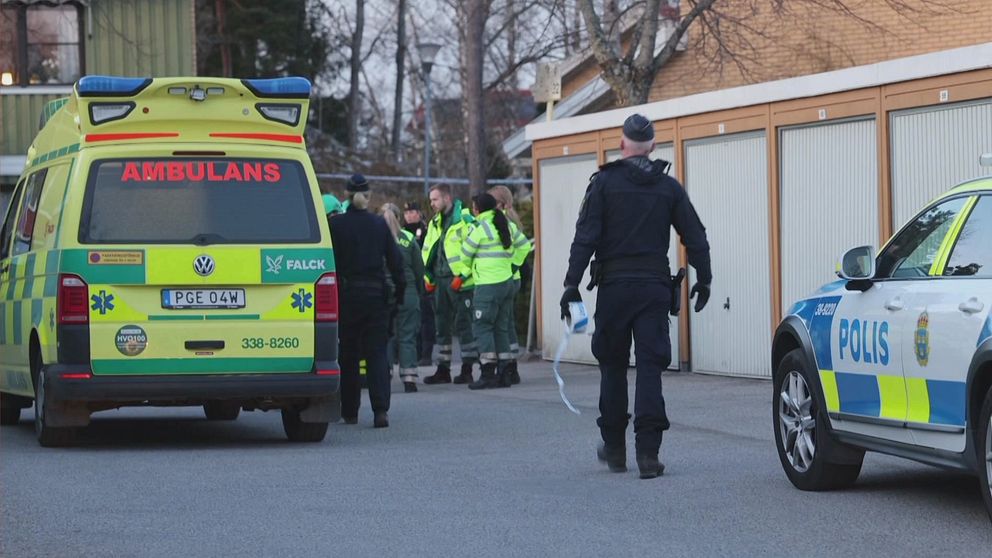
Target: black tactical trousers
(637,310)
(363,335)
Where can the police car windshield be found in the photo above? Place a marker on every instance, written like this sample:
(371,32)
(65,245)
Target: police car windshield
(198,201)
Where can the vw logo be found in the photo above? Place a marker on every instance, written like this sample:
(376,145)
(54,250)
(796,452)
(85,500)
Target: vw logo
(203,265)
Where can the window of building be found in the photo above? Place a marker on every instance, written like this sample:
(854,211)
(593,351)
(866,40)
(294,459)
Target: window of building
(40,44)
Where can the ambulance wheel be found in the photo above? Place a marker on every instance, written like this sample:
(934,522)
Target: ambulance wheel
(984,458)
(221,410)
(299,431)
(809,457)
(48,436)
(10,409)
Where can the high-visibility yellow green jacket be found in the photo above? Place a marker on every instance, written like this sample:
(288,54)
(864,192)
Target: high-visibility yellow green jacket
(484,255)
(454,236)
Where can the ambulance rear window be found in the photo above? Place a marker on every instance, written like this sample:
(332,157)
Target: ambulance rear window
(198,201)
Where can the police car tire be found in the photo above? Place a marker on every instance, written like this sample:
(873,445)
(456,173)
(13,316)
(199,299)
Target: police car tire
(221,410)
(299,431)
(48,436)
(823,473)
(982,447)
(10,410)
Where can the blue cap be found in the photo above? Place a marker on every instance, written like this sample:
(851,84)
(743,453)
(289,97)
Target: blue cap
(638,128)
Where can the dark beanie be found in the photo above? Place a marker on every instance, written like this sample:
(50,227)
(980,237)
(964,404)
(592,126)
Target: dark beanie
(357,183)
(638,128)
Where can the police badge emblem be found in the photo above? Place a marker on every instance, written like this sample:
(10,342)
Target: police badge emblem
(922,339)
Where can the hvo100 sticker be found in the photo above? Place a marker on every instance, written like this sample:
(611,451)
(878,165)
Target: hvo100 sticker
(131,340)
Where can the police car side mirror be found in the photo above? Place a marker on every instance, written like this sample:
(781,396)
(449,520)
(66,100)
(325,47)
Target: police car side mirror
(857,266)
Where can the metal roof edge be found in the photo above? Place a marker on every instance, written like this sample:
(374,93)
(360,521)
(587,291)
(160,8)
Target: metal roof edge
(920,66)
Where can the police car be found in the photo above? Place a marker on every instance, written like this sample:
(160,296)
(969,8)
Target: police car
(166,245)
(896,356)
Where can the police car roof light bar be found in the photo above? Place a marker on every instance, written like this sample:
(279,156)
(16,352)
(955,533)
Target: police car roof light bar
(985,160)
(111,86)
(288,87)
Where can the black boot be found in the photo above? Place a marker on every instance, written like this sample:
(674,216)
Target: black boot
(614,457)
(381,420)
(409,387)
(649,466)
(442,376)
(466,376)
(488,379)
(503,374)
(514,374)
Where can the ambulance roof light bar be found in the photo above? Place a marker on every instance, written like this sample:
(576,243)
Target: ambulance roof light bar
(286,88)
(111,86)
(985,160)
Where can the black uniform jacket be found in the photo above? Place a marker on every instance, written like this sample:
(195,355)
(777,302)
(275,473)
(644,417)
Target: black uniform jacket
(626,219)
(362,241)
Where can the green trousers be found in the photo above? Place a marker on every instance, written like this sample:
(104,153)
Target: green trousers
(453,314)
(491,323)
(514,342)
(407,332)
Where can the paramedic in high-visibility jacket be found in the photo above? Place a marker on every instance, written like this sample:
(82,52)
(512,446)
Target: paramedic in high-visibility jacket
(626,218)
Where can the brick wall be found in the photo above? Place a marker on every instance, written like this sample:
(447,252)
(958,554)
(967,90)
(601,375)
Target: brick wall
(801,39)
(806,39)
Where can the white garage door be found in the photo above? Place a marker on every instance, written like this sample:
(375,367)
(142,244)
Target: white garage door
(563,183)
(829,200)
(665,151)
(727,180)
(933,149)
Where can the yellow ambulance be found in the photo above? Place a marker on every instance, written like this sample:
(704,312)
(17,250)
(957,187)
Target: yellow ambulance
(166,245)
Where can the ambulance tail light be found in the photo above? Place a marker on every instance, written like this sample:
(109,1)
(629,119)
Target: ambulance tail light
(327,298)
(108,112)
(279,112)
(73,300)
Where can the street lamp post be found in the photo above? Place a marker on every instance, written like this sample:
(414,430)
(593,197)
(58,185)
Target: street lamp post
(427,53)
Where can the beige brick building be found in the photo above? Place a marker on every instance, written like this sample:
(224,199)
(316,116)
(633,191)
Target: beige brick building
(832,137)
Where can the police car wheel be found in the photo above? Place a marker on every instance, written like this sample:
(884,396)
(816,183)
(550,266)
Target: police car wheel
(48,436)
(804,446)
(984,447)
(299,431)
(10,409)
(221,410)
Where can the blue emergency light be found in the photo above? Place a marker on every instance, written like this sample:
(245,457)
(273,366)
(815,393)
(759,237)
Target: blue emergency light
(111,86)
(287,87)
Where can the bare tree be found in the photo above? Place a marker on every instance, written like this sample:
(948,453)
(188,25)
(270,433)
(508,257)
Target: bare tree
(400,70)
(354,100)
(476,12)
(730,32)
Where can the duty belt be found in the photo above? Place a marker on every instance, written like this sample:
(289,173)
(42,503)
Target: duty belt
(650,267)
(361,283)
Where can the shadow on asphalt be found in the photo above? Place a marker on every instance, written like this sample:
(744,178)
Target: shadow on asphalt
(939,484)
(173,433)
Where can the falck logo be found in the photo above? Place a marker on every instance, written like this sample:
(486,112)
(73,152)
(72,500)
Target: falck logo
(203,265)
(273,265)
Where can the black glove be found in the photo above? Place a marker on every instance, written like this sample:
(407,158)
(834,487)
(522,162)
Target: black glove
(703,290)
(571,295)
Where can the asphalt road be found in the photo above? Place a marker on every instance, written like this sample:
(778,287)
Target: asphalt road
(459,473)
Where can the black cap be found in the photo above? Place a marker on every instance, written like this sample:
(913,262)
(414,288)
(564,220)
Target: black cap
(638,128)
(411,206)
(357,183)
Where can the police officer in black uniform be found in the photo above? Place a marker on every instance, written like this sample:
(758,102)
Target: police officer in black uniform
(626,218)
(362,241)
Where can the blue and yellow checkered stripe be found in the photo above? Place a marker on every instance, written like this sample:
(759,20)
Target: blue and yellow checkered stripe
(31,287)
(913,400)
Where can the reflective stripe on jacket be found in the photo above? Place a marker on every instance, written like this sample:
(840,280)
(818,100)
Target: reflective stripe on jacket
(484,255)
